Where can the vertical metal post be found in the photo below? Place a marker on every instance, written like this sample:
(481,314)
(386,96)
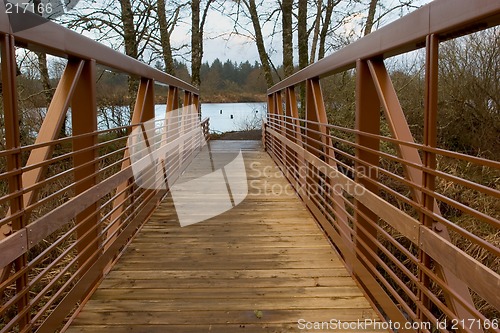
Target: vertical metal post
(429,159)
(188,98)
(84,122)
(271,118)
(292,111)
(172,98)
(119,203)
(294,129)
(148,112)
(196,103)
(367,121)
(329,156)
(313,139)
(280,125)
(13,141)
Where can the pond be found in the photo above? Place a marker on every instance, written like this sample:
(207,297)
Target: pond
(225,117)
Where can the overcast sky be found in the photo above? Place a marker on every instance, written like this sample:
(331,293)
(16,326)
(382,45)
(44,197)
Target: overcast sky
(220,43)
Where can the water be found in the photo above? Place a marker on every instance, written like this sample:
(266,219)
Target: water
(245,116)
(226,117)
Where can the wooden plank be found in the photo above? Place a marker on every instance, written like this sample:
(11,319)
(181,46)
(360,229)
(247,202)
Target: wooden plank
(222,317)
(352,302)
(272,293)
(224,328)
(263,282)
(227,264)
(236,274)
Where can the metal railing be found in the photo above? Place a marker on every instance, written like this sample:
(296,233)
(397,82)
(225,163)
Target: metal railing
(69,205)
(376,196)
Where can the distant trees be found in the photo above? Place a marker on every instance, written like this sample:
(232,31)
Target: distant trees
(231,81)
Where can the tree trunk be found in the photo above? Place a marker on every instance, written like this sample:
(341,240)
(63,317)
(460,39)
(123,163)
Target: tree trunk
(197,27)
(302,43)
(317,23)
(44,76)
(326,25)
(264,59)
(371,16)
(131,49)
(196,43)
(302,34)
(286,12)
(165,38)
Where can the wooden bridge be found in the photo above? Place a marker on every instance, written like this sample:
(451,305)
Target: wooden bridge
(342,229)
(245,269)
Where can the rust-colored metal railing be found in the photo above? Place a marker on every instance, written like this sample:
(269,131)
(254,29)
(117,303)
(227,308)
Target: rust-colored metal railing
(69,205)
(375,195)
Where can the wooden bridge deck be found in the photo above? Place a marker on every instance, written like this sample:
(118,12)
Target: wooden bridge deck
(260,267)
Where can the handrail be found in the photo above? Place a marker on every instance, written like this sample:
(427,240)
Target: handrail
(377,196)
(446,18)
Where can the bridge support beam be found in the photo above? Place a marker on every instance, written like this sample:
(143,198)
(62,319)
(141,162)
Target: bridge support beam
(317,119)
(14,163)
(367,121)
(84,123)
(143,111)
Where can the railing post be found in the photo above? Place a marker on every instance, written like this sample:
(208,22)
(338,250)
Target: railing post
(172,98)
(84,122)
(143,111)
(367,121)
(196,102)
(292,112)
(14,163)
(271,118)
(278,109)
(294,134)
(315,96)
(188,98)
(429,159)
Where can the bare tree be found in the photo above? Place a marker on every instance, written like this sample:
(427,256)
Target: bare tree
(330,5)
(251,7)
(165,33)
(197,26)
(371,16)
(287,36)
(302,34)
(129,25)
(317,24)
